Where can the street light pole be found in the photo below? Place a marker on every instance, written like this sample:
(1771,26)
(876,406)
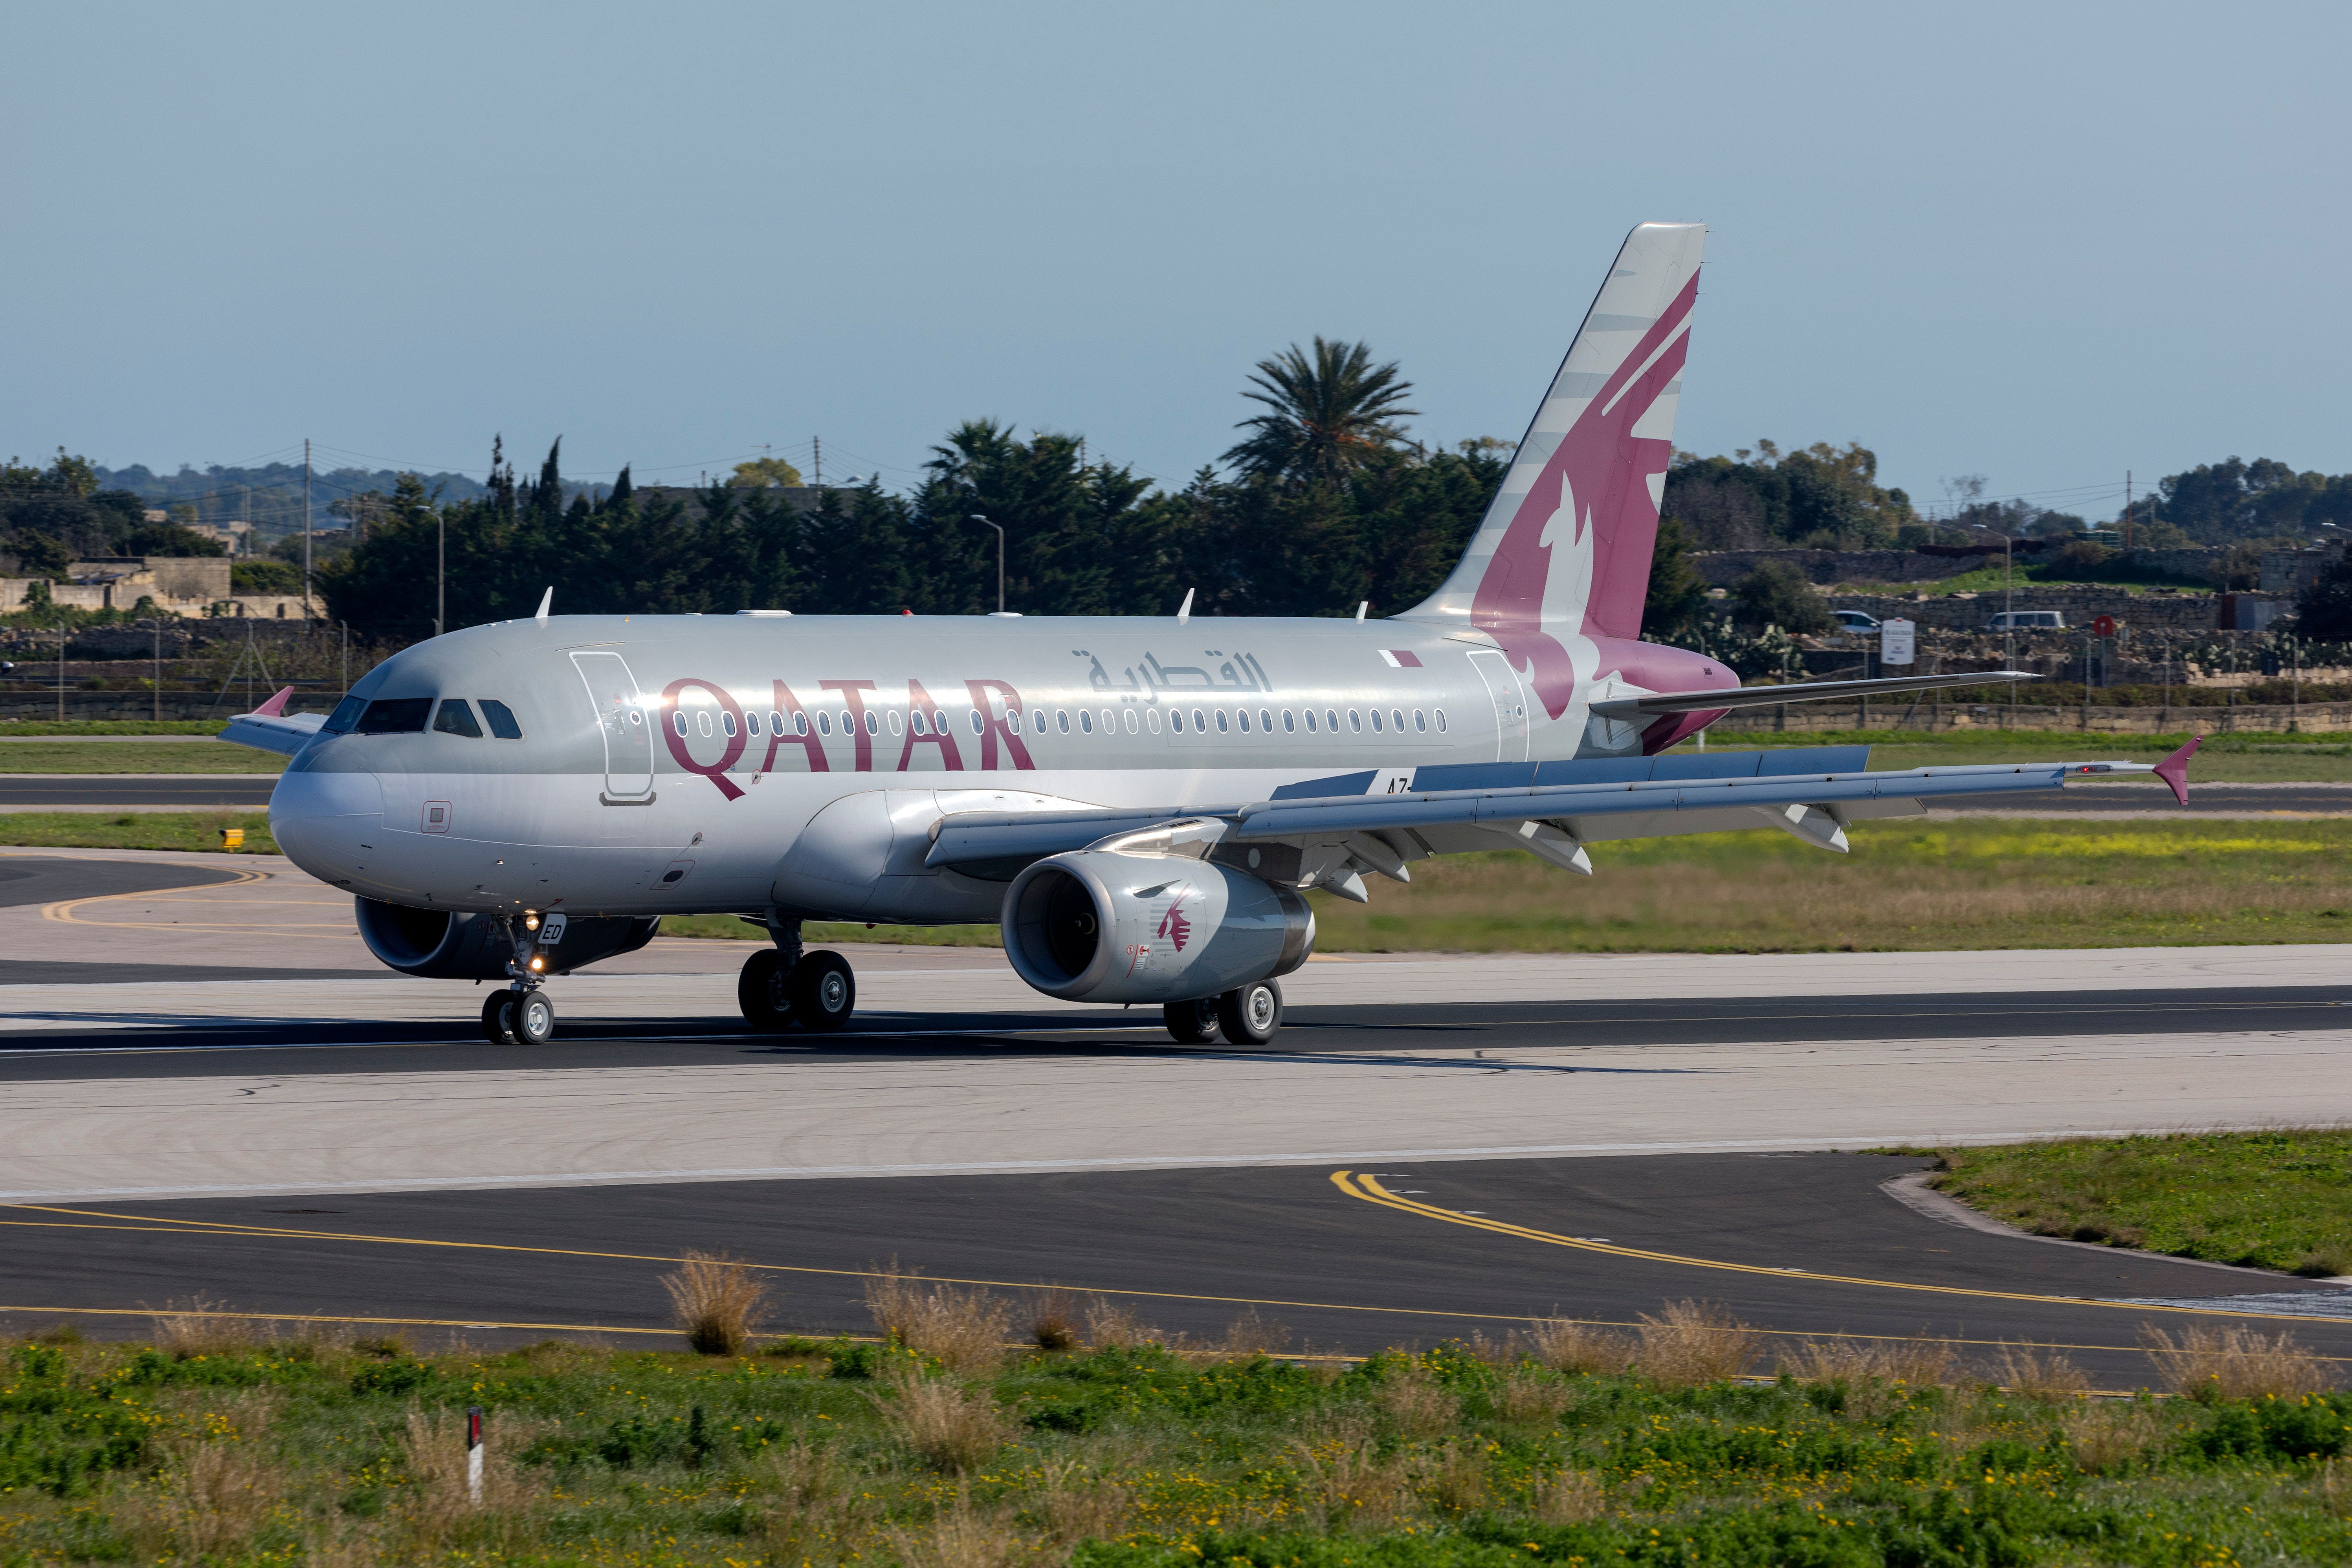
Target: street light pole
(440,571)
(1000,559)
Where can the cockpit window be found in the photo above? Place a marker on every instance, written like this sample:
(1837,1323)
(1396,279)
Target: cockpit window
(502,718)
(346,713)
(458,718)
(395,716)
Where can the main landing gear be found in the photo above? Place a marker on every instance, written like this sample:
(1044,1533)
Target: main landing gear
(1246,1016)
(782,986)
(522,1014)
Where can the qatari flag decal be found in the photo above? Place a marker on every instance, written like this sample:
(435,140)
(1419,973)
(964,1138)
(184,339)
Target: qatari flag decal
(1401,659)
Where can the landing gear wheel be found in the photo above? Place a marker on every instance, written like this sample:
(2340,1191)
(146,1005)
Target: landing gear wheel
(497,1018)
(1251,1015)
(534,1018)
(1191,1023)
(823,991)
(765,992)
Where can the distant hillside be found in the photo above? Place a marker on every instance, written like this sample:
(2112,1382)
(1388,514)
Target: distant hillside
(271,497)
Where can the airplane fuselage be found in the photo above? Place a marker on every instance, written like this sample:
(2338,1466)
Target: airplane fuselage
(667,764)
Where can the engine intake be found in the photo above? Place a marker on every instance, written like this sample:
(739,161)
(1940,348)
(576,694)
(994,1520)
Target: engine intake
(443,944)
(1106,925)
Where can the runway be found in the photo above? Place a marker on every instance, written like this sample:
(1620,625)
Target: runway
(135,792)
(1439,1146)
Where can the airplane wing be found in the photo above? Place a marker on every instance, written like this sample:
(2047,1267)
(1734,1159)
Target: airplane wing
(1325,832)
(270,728)
(1730,697)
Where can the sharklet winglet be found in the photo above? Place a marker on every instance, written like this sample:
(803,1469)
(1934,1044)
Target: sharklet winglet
(275,707)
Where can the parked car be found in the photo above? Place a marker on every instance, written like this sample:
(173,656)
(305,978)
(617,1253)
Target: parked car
(1854,621)
(2027,621)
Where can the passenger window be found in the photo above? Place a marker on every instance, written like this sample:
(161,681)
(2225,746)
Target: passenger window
(1310,721)
(800,723)
(1085,721)
(346,714)
(1199,726)
(502,718)
(1420,723)
(979,728)
(1110,722)
(825,723)
(457,718)
(1151,717)
(1331,720)
(702,721)
(1175,721)
(726,723)
(1396,720)
(1266,721)
(1355,722)
(395,716)
(917,724)
(1243,714)
(1221,720)
(1441,720)
(1130,721)
(873,724)
(1289,725)
(1376,720)
(1062,720)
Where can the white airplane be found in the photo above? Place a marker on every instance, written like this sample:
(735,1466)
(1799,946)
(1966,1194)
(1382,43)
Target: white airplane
(1141,804)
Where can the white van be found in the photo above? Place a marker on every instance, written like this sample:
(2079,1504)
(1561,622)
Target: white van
(2027,621)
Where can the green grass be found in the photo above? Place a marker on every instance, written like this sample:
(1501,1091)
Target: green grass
(111,727)
(2325,757)
(116,757)
(2265,1200)
(135,830)
(313,1450)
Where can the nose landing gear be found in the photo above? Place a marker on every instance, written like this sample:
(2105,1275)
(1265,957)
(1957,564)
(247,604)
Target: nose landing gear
(522,1014)
(782,986)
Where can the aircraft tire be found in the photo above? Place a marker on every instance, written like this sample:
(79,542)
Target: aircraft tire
(763,991)
(1251,1015)
(534,1018)
(1191,1023)
(498,1017)
(824,992)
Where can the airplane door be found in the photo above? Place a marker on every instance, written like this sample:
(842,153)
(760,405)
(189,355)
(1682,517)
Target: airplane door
(1511,705)
(628,732)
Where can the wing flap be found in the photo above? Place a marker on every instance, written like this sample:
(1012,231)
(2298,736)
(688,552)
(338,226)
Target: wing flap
(1660,703)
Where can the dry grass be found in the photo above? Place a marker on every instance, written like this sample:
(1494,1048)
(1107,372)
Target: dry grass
(434,1506)
(1348,1486)
(1526,1398)
(2032,1372)
(1918,1363)
(1111,1325)
(2235,1361)
(1252,1335)
(200,1326)
(2332,1487)
(218,1491)
(2102,1439)
(949,1428)
(959,1536)
(715,1301)
(1571,1497)
(1073,1503)
(1565,1345)
(1457,1482)
(1053,1319)
(1690,1342)
(1419,1408)
(962,1330)
(807,1514)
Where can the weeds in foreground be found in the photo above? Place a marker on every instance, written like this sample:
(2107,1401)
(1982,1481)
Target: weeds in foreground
(2033,1373)
(1689,1343)
(1568,1346)
(962,1329)
(715,1301)
(2235,1361)
(947,1427)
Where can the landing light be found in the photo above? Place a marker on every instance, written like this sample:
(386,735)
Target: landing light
(539,963)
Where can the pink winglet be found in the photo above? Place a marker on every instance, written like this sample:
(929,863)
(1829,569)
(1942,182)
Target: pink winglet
(2174,769)
(275,707)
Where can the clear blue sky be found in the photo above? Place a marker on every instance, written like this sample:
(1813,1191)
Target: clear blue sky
(2045,243)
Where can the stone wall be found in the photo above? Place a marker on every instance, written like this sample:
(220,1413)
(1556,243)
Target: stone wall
(2156,609)
(1722,568)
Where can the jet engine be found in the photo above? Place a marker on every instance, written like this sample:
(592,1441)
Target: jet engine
(442,945)
(1149,917)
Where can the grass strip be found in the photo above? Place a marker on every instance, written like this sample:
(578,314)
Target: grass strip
(2279,1199)
(112,727)
(130,757)
(136,830)
(1564,1447)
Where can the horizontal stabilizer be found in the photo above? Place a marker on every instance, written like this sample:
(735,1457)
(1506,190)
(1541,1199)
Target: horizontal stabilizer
(1664,703)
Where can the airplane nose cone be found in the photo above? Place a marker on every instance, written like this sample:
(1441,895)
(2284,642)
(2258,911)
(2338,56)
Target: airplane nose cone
(320,819)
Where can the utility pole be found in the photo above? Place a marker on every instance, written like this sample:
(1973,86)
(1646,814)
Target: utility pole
(440,571)
(1000,559)
(306,534)
(155,627)
(2128,503)
(61,675)
(817,465)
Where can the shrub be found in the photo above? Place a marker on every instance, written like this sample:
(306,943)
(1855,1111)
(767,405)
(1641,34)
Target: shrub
(2235,1361)
(1691,1342)
(1565,1345)
(2032,1372)
(964,1330)
(715,1300)
(948,1428)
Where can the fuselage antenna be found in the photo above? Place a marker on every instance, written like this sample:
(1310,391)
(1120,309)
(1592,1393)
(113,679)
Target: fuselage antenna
(1360,608)
(545,600)
(1184,610)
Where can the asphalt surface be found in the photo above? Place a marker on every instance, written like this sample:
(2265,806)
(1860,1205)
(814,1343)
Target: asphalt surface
(37,879)
(1799,1245)
(133,792)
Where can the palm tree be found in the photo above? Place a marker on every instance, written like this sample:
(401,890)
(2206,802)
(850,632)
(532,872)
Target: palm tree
(1328,414)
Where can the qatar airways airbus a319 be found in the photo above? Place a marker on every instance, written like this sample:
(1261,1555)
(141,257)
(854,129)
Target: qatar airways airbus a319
(1141,804)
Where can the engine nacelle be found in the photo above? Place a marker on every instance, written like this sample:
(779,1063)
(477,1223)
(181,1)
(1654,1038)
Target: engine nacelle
(443,944)
(1109,925)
